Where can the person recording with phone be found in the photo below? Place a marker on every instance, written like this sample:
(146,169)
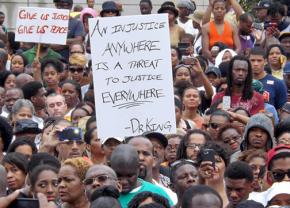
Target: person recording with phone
(71,143)
(201,81)
(212,161)
(276,24)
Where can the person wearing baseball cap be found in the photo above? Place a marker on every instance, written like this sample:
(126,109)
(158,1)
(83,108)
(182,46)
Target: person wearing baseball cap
(213,74)
(160,142)
(262,9)
(278,164)
(109,144)
(284,39)
(285,111)
(109,9)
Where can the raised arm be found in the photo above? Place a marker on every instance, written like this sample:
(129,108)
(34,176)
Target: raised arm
(237,8)
(207,14)
(237,42)
(205,43)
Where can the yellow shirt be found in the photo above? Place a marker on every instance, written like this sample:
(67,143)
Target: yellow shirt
(278,74)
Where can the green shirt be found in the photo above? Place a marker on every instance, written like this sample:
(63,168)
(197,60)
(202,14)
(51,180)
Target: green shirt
(31,53)
(124,199)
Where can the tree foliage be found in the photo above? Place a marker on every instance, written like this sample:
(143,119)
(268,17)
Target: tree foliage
(248,5)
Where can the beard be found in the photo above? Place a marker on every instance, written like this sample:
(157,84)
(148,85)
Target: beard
(142,173)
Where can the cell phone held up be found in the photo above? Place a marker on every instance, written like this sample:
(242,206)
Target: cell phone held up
(182,48)
(270,24)
(24,203)
(188,60)
(208,155)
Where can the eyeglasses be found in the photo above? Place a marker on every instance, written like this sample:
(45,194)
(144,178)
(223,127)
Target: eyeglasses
(194,146)
(279,175)
(214,125)
(99,179)
(76,69)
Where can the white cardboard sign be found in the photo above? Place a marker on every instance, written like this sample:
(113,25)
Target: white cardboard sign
(132,74)
(42,25)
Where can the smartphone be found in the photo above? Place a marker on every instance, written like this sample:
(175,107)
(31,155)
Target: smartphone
(226,102)
(24,203)
(188,60)
(70,133)
(182,48)
(183,45)
(270,24)
(208,155)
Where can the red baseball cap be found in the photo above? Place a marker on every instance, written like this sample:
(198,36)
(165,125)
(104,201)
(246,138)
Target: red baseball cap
(278,151)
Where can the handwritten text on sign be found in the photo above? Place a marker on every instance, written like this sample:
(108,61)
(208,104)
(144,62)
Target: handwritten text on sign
(42,25)
(132,75)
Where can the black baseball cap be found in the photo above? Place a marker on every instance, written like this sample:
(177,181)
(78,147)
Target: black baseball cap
(26,126)
(156,135)
(264,4)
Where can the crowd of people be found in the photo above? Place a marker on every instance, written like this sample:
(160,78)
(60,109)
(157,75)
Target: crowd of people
(231,76)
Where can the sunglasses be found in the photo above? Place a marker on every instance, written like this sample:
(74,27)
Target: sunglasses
(78,69)
(214,125)
(99,179)
(279,175)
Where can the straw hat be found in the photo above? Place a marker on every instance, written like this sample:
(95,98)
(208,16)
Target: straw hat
(197,16)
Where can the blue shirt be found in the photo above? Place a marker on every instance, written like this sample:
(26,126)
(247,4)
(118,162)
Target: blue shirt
(276,90)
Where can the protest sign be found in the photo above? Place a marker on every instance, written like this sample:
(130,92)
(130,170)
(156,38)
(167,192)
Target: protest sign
(42,25)
(132,72)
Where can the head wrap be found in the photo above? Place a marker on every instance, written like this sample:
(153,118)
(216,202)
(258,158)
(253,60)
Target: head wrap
(189,4)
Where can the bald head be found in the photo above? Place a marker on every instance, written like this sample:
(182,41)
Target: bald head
(144,148)
(125,162)
(140,139)
(125,155)
(23,79)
